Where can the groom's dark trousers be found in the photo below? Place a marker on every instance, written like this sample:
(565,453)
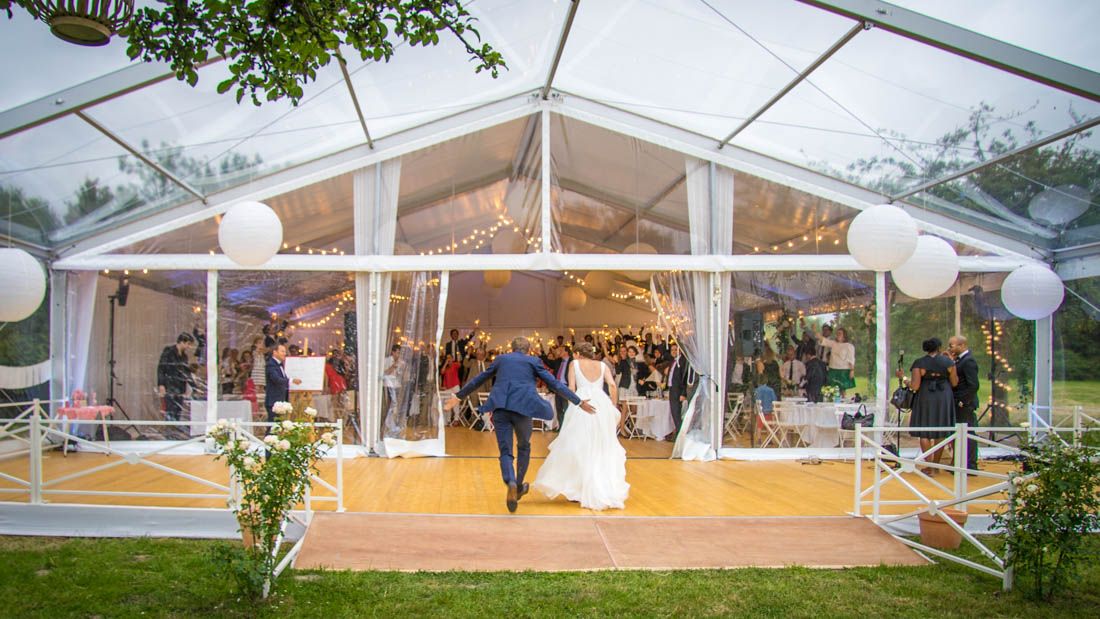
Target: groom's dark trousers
(506,422)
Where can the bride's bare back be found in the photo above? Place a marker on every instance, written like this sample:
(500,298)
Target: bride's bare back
(590,368)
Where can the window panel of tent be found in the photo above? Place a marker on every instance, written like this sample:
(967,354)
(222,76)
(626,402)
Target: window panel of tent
(888,113)
(1076,328)
(685,62)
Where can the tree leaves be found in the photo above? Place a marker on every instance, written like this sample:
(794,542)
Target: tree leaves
(274,48)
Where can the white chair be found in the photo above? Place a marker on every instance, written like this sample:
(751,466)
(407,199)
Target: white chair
(486,418)
(783,411)
(850,409)
(631,429)
(769,429)
(734,403)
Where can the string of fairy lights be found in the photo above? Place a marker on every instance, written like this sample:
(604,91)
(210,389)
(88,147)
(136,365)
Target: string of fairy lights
(991,338)
(643,296)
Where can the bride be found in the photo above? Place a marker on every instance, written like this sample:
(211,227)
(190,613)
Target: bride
(586,462)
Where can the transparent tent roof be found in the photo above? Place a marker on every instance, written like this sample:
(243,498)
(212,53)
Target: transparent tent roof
(876,108)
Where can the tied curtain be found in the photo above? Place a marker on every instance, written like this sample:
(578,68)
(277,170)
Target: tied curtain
(694,305)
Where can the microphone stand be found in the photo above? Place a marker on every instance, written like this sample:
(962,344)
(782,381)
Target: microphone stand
(112,378)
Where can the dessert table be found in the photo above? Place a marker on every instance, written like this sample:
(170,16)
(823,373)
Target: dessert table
(75,415)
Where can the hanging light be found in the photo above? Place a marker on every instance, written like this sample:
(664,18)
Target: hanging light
(882,237)
(574,298)
(250,233)
(930,271)
(638,248)
(23,282)
(497,279)
(1032,292)
(597,284)
(91,24)
(508,242)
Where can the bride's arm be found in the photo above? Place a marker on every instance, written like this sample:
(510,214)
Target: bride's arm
(572,379)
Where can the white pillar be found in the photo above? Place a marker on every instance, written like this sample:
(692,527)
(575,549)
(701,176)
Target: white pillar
(1044,366)
(882,346)
(547,220)
(212,383)
(363,324)
(59,336)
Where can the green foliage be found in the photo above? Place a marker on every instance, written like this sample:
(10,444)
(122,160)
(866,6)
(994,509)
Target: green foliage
(275,47)
(1056,504)
(26,211)
(271,485)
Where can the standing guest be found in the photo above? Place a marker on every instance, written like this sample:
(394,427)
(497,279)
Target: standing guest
(392,368)
(817,375)
(474,366)
(174,375)
(626,372)
(842,360)
(278,383)
(456,347)
(449,372)
(933,377)
(552,359)
(965,392)
(561,369)
(259,366)
(678,382)
(793,373)
(805,345)
(333,379)
(768,367)
(228,368)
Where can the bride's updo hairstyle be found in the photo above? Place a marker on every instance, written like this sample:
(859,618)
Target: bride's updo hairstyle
(586,350)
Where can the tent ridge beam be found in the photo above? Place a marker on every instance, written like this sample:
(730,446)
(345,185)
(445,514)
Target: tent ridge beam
(979,165)
(649,205)
(968,44)
(355,101)
(188,187)
(566,27)
(798,79)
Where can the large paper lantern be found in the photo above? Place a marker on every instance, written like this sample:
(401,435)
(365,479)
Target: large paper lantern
(250,233)
(490,292)
(1032,292)
(507,241)
(882,237)
(573,298)
(1059,205)
(930,271)
(638,248)
(597,284)
(23,282)
(497,279)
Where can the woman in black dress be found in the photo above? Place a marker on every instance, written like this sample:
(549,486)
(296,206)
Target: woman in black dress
(933,376)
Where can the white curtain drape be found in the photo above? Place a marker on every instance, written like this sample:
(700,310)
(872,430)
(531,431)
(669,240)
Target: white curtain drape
(81,308)
(24,377)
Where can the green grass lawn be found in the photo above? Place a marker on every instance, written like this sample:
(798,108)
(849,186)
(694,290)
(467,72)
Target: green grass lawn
(53,577)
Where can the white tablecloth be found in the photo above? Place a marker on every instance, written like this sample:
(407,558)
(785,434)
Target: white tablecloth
(549,397)
(819,424)
(655,418)
(240,410)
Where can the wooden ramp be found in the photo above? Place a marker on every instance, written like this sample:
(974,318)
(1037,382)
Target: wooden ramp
(426,542)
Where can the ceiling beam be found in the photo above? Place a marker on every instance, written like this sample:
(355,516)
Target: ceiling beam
(651,204)
(968,44)
(798,79)
(566,27)
(355,101)
(618,203)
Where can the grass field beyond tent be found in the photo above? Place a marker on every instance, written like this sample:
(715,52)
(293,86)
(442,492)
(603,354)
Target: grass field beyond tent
(53,577)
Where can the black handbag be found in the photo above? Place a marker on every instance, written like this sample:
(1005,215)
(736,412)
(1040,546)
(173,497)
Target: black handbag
(861,418)
(902,398)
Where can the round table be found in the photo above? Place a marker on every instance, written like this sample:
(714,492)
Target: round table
(654,418)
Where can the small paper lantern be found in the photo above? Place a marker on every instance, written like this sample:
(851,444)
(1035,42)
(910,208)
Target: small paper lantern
(882,237)
(930,271)
(507,241)
(1059,205)
(23,282)
(250,233)
(497,279)
(638,248)
(1032,292)
(597,284)
(573,298)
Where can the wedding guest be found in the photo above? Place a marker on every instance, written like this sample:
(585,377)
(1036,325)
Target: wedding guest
(817,374)
(474,366)
(278,383)
(793,373)
(228,368)
(626,372)
(456,347)
(965,392)
(561,372)
(932,378)
(679,375)
(174,375)
(391,381)
(768,367)
(841,361)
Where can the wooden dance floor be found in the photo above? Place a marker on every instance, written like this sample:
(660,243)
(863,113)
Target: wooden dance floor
(550,544)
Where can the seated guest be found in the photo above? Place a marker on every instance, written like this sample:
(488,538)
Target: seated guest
(765,398)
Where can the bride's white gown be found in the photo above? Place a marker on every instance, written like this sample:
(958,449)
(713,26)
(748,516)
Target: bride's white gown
(586,462)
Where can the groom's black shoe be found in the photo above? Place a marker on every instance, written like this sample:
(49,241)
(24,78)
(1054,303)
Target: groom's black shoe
(513,497)
(524,489)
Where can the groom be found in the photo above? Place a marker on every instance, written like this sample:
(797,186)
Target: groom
(514,401)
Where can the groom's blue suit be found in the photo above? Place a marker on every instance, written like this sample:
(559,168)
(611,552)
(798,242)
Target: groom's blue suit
(513,402)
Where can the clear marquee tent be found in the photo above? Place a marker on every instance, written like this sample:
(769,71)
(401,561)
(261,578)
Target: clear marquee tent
(736,139)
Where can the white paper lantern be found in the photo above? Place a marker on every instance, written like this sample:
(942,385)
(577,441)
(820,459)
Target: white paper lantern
(1060,205)
(638,248)
(23,282)
(930,271)
(573,298)
(507,241)
(882,237)
(1032,292)
(597,284)
(250,233)
(497,279)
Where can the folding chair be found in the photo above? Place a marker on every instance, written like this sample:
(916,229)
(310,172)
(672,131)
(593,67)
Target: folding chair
(782,411)
(486,418)
(734,403)
(770,430)
(630,425)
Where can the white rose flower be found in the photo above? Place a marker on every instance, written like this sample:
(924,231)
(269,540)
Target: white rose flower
(1032,487)
(288,425)
(249,461)
(310,411)
(1017,480)
(271,439)
(223,423)
(283,445)
(242,444)
(327,437)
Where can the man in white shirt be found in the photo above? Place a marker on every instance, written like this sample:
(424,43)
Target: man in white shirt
(391,380)
(793,372)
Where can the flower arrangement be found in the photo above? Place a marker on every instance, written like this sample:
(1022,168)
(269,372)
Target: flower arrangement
(1053,506)
(869,315)
(272,478)
(830,392)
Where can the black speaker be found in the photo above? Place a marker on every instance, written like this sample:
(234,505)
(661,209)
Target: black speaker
(123,290)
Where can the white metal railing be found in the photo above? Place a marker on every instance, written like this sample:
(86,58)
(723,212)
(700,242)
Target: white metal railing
(958,495)
(38,431)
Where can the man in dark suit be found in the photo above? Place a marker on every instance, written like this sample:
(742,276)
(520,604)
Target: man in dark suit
(966,392)
(678,374)
(174,375)
(457,347)
(278,383)
(817,374)
(513,402)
